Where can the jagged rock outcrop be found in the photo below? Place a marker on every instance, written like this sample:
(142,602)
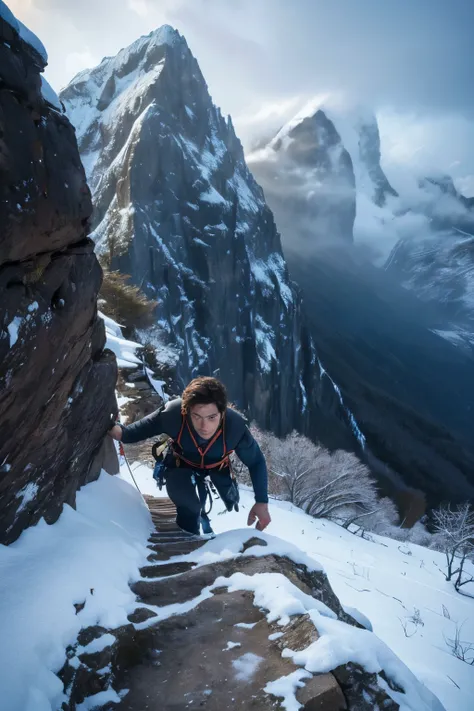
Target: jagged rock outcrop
(377,183)
(177,208)
(56,381)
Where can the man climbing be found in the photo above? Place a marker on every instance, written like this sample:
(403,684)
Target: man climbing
(204,432)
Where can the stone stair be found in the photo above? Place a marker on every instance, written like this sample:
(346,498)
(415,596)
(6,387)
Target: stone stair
(190,663)
(215,655)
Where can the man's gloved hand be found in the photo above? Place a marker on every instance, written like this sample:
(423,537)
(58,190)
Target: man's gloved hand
(260,512)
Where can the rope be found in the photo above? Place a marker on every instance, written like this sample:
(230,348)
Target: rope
(122,454)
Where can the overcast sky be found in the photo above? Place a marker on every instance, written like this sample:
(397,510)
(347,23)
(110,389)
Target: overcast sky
(412,61)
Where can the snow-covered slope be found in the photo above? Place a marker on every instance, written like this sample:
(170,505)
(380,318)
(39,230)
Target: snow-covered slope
(59,578)
(397,590)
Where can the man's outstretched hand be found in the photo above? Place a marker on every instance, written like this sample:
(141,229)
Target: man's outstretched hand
(260,512)
(116,432)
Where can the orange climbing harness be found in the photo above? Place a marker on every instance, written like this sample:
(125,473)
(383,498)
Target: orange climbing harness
(224,462)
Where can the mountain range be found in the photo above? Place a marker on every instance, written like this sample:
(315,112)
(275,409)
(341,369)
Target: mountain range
(313,330)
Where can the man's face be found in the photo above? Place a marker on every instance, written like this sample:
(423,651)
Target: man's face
(206,419)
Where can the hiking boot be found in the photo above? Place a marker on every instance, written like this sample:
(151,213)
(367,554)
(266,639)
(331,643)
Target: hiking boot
(198,536)
(206,525)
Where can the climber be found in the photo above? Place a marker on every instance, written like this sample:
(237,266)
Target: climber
(204,431)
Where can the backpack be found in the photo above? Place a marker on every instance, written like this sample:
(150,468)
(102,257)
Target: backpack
(160,452)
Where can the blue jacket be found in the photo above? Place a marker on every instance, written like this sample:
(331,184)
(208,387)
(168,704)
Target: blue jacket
(236,433)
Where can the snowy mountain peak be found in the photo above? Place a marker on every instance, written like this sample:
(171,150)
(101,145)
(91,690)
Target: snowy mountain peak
(166,35)
(326,159)
(141,56)
(177,208)
(357,129)
(121,88)
(337,109)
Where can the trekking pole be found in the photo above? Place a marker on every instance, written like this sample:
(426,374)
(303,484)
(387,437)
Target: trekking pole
(122,454)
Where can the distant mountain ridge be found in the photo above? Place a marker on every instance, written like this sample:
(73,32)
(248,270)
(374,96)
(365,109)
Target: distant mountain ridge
(409,387)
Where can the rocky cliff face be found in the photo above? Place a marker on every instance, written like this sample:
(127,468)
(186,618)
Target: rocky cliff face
(56,382)
(319,174)
(376,182)
(177,208)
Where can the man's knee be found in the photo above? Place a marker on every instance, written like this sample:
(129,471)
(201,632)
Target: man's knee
(182,491)
(227,490)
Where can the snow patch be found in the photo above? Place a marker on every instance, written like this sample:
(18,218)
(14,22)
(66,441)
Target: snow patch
(97,645)
(50,95)
(247,666)
(275,593)
(27,494)
(260,273)
(264,337)
(212,196)
(99,547)
(157,385)
(13,329)
(275,635)
(30,38)
(92,703)
(286,686)
(125,351)
(358,617)
(340,643)
(231,645)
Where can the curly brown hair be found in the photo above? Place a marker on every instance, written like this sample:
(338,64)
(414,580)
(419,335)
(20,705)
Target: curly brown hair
(204,391)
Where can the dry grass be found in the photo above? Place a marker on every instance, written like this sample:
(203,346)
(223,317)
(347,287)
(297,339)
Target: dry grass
(124,302)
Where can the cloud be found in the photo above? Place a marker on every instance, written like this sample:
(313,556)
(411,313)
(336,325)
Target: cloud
(77,61)
(260,58)
(417,144)
(408,53)
(141,7)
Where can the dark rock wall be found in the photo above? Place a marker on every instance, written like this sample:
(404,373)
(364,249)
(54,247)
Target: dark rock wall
(56,380)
